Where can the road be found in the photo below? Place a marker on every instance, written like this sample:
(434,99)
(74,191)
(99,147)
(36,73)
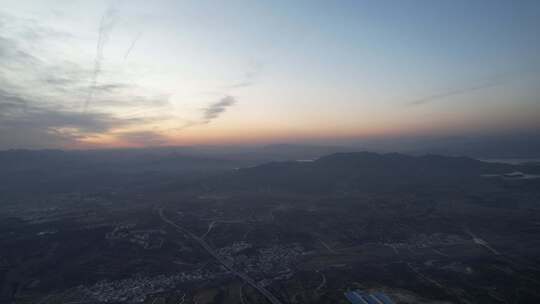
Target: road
(214,223)
(267,294)
(481,242)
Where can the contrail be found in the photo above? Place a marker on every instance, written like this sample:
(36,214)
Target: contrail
(454,92)
(132,45)
(106,25)
(493,82)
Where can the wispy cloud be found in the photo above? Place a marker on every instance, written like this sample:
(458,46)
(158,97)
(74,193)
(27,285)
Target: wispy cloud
(13,57)
(21,111)
(40,93)
(249,78)
(210,113)
(243,84)
(10,102)
(29,29)
(112,87)
(214,110)
(63,79)
(24,117)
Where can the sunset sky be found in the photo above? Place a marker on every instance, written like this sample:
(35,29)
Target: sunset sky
(90,74)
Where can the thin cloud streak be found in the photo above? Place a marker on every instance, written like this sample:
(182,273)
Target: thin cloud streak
(460,91)
(250,77)
(106,25)
(493,82)
(132,45)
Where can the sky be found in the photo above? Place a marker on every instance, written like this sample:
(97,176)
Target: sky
(113,73)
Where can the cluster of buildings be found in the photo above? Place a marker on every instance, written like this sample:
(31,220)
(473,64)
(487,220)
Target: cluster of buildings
(137,288)
(278,258)
(234,249)
(147,239)
(269,260)
(132,290)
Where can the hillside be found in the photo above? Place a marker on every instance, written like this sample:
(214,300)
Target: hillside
(366,171)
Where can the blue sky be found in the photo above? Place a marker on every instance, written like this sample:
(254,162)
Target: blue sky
(138,73)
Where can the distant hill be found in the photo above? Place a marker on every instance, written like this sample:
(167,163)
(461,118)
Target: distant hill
(139,170)
(525,145)
(365,171)
(26,171)
(300,152)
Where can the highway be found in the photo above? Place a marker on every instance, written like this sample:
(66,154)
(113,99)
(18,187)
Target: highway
(267,294)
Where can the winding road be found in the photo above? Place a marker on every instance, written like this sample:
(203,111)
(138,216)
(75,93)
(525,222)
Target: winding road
(267,294)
